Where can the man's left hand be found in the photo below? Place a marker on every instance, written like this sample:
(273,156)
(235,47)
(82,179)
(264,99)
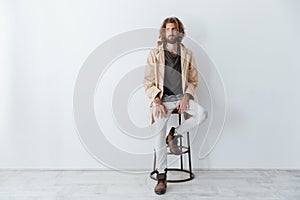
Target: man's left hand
(183,104)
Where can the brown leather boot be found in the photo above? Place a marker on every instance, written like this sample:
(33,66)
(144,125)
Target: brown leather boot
(172,141)
(161,186)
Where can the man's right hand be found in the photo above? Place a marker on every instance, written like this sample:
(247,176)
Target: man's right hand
(161,110)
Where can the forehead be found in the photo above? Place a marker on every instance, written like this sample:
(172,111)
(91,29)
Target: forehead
(170,25)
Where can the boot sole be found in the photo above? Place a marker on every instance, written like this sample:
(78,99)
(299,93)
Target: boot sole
(160,192)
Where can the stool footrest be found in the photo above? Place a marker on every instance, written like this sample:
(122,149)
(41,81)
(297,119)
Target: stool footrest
(175,180)
(184,150)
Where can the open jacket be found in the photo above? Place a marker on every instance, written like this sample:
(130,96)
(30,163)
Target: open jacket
(154,74)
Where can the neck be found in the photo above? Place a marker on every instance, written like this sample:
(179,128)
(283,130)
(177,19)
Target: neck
(172,47)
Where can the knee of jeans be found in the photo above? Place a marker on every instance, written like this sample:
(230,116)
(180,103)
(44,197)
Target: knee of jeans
(202,116)
(159,119)
(159,122)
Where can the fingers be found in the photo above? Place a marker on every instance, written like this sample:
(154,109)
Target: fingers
(180,110)
(187,106)
(161,111)
(157,112)
(165,110)
(182,107)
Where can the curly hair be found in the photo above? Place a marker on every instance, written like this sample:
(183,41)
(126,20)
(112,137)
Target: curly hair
(179,27)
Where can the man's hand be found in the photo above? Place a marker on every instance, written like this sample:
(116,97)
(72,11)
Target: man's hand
(161,110)
(183,104)
(157,100)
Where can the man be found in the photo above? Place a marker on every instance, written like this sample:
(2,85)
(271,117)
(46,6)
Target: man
(170,81)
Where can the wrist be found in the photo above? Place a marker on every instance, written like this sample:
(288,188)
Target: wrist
(157,100)
(186,96)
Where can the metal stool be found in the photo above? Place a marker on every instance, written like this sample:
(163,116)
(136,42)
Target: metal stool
(184,150)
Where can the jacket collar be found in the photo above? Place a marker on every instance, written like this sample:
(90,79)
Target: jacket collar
(161,56)
(182,48)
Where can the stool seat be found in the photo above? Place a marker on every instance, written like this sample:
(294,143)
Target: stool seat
(185,150)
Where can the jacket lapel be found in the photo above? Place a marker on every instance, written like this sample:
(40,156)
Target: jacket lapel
(184,66)
(161,64)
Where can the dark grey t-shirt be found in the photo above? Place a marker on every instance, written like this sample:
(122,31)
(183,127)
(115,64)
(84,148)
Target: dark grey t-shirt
(172,76)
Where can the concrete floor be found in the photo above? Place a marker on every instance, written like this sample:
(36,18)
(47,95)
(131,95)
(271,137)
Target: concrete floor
(208,184)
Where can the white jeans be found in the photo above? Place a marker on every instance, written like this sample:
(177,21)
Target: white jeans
(199,115)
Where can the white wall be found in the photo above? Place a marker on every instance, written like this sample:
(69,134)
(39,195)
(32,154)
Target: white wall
(254,44)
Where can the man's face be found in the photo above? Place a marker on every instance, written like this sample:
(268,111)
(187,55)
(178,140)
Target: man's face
(171,33)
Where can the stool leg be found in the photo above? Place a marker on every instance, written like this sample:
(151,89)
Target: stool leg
(154,161)
(181,157)
(189,153)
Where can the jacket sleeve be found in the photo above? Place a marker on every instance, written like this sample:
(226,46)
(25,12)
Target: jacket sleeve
(192,79)
(150,86)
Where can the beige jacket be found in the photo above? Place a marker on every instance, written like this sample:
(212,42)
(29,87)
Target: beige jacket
(154,73)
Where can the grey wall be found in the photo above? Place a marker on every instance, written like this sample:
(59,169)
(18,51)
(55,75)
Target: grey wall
(254,45)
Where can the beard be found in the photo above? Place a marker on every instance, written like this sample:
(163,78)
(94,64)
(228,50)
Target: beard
(172,39)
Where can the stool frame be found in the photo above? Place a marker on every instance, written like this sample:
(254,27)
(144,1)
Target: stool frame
(184,150)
